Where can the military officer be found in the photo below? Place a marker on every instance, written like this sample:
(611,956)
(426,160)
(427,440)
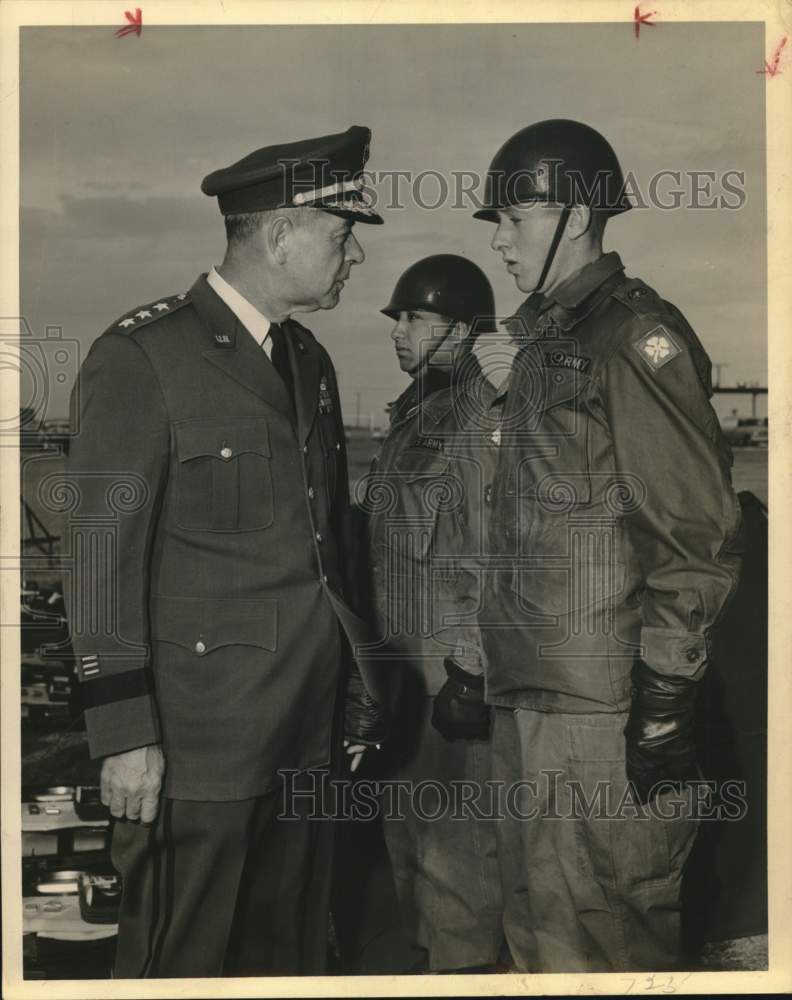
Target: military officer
(423,503)
(614,541)
(208,609)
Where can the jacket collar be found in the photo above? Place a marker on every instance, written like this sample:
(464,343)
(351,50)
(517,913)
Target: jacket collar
(232,348)
(426,394)
(571,301)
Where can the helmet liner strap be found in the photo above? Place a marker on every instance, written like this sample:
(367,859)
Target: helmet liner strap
(559,232)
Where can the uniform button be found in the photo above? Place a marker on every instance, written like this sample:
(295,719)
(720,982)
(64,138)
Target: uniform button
(319,537)
(225,452)
(324,577)
(200,647)
(311,493)
(636,293)
(488,493)
(305,449)
(338,446)
(692,655)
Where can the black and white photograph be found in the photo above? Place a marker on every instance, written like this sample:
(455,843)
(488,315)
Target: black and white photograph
(395,604)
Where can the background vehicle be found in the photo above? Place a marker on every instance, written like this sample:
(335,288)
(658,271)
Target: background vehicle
(746,431)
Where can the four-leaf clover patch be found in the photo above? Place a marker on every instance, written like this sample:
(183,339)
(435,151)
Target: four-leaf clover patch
(657,347)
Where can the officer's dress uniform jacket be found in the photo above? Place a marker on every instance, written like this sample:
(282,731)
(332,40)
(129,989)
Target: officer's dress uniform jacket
(210,518)
(614,524)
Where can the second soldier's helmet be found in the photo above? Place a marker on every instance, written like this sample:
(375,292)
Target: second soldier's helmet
(560,161)
(449,285)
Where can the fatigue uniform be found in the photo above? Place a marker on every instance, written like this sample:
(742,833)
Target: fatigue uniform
(208,527)
(425,543)
(614,533)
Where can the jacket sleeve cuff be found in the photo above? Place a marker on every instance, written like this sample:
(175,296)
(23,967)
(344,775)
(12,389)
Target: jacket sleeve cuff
(669,651)
(122,725)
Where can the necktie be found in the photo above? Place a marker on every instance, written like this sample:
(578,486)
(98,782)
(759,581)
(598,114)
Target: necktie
(280,357)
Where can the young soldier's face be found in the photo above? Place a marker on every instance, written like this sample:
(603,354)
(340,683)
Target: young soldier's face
(523,237)
(416,335)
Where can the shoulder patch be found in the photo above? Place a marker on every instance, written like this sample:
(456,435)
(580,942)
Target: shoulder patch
(143,315)
(657,347)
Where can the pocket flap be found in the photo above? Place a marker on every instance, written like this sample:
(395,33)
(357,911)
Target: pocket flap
(598,742)
(543,380)
(417,462)
(223,439)
(204,624)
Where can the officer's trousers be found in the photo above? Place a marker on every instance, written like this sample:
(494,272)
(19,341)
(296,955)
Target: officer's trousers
(444,868)
(591,880)
(223,888)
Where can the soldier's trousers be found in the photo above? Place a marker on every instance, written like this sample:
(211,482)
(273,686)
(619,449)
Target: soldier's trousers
(444,868)
(591,881)
(222,888)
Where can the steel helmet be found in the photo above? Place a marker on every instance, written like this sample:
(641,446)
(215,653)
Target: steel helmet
(449,285)
(559,161)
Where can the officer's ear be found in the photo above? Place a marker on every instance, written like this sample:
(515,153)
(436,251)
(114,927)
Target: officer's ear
(580,221)
(278,233)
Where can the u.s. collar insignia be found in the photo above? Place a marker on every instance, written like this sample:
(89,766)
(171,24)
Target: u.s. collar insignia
(222,339)
(325,399)
(657,347)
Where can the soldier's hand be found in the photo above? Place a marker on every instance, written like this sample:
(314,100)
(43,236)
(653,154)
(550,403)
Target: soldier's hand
(365,721)
(460,712)
(659,731)
(131,783)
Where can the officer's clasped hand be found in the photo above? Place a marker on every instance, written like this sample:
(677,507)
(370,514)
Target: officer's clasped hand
(659,731)
(460,712)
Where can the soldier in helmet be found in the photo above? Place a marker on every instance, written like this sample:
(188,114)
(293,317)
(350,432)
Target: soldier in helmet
(423,505)
(613,533)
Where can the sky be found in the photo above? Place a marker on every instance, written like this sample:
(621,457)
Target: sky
(116,135)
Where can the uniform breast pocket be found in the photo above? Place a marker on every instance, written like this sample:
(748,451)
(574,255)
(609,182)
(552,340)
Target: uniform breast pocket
(224,474)
(426,493)
(562,552)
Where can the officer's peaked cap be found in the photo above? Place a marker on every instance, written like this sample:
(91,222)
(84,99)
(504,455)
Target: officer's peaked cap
(323,173)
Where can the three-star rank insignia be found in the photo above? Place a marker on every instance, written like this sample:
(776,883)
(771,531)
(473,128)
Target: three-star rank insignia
(657,347)
(145,314)
(325,399)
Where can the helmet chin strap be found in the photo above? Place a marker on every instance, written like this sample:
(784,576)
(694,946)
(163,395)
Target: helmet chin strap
(424,365)
(559,232)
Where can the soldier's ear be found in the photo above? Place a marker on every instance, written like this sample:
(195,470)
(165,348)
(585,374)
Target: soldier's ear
(580,220)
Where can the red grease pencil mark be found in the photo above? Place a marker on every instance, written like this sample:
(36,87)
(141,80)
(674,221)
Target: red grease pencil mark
(639,19)
(135,23)
(772,68)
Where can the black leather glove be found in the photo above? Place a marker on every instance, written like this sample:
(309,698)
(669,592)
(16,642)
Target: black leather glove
(459,711)
(365,721)
(659,730)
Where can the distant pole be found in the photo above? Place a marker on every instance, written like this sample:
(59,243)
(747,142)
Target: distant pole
(357,410)
(718,366)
